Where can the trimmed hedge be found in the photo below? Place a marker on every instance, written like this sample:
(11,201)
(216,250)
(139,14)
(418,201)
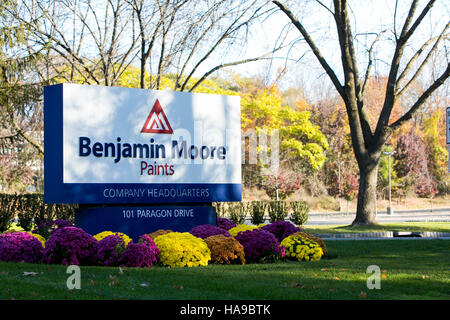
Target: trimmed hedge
(295,211)
(30,208)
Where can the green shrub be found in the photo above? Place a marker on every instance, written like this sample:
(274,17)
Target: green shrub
(30,209)
(8,205)
(63,212)
(238,211)
(258,211)
(277,211)
(29,206)
(300,212)
(221,210)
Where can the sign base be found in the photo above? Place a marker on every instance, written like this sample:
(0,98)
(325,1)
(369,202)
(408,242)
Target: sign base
(135,220)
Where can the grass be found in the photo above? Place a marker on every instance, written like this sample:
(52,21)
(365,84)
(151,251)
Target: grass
(410,269)
(399,226)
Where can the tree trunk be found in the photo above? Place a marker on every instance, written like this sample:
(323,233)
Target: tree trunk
(365,213)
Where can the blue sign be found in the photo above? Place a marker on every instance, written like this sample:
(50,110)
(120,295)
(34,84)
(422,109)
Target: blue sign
(110,145)
(135,221)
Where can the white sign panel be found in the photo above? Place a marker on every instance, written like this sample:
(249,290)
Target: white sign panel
(140,140)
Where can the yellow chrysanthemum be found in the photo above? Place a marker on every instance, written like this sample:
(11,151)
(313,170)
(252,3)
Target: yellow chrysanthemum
(240,228)
(182,249)
(301,248)
(39,237)
(104,234)
(14,228)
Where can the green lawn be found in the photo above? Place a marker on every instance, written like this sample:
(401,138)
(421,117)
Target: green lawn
(411,269)
(400,226)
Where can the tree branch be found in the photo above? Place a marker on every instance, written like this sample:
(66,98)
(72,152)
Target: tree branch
(227,33)
(391,88)
(313,47)
(408,115)
(399,93)
(369,64)
(22,133)
(224,65)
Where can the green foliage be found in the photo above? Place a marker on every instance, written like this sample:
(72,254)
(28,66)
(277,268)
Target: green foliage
(8,206)
(258,211)
(29,206)
(383,170)
(20,102)
(437,151)
(220,209)
(301,139)
(300,212)
(262,109)
(238,211)
(278,210)
(30,209)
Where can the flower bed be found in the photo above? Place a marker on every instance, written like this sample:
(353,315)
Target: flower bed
(202,245)
(148,241)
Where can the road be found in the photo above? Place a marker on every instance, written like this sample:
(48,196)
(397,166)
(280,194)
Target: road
(331,218)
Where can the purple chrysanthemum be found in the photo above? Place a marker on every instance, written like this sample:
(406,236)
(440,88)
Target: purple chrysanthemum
(70,245)
(138,256)
(110,250)
(20,247)
(225,223)
(45,228)
(206,230)
(259,245)
(146,240)
(281,229)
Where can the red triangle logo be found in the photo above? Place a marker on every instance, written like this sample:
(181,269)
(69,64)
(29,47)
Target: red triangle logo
(157,121)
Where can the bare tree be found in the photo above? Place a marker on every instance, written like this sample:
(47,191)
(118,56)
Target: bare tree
(96,41)
(93,40)
(194,38)
(404,69)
